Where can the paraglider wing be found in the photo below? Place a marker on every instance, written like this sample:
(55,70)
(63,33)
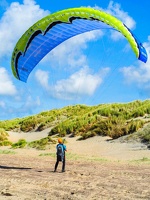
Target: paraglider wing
(55,28)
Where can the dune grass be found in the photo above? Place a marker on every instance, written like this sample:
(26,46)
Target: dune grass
(143,160)
(113,120)
(20,144)
(7,152)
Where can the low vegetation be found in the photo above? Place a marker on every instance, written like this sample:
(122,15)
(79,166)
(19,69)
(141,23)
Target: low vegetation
(114,120)
(142,135)
(4,138)
(20,144)
(143,160)
(7,152)
(42,144)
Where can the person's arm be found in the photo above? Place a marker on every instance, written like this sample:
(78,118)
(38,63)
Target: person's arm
(64,146)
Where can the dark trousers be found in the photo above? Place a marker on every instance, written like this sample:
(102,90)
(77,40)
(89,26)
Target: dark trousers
(59,158)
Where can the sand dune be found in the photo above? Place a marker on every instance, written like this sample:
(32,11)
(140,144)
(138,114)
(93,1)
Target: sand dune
(97,146)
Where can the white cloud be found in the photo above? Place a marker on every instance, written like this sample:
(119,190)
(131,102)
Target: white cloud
(81,83)
(30,103)
(21,109)
(139,74)
(6,85)
(15,21)
(116,10)
(42,78)
(27,106)
(78,84)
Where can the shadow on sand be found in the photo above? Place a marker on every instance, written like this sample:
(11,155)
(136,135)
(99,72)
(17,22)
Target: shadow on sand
(8,167)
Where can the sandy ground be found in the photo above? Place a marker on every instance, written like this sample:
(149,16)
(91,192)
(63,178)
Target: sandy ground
(96,168)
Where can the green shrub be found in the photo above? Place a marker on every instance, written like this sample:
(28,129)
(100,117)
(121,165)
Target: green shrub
(4,138)
(42,143)
(87,135)
(146,138)
(6,143)
(41,127)
(20,144)
(3,134)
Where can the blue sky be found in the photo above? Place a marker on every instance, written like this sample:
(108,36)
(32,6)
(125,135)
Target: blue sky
(93,68)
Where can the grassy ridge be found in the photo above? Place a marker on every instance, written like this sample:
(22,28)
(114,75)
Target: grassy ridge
(114,120)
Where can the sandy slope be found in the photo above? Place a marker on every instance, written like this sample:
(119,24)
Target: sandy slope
(29,136)
(102,147)
(102,171)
